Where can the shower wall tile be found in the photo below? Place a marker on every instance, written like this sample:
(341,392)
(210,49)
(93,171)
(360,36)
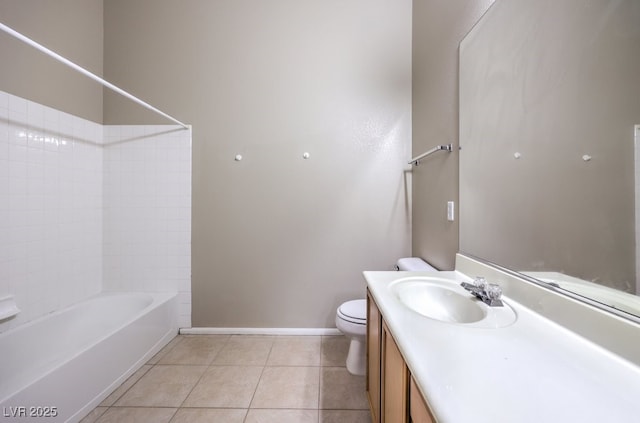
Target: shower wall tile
(147,221)
(86,208)
(51,179)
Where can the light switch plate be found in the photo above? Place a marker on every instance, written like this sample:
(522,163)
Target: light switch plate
(451,211)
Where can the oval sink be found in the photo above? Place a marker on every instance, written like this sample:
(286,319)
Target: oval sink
(446,301)
(439,302)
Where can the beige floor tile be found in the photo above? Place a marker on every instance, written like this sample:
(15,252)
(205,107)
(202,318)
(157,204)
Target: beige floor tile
(94,415)
(295,351)
(225,386)
(164,350)
(162,386)
(282,416)
(137,415)
(345,416)
(115,395)
(341,390)
(288,387)
(334,350)
(200,349)
(209,415)
(245,350)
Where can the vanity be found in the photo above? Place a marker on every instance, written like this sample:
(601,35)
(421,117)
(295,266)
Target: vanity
(549,210)
(392,391)
(541,357)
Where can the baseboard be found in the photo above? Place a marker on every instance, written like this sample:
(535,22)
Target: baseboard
(259,331)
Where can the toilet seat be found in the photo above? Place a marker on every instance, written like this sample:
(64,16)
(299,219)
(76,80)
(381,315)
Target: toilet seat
(354,311)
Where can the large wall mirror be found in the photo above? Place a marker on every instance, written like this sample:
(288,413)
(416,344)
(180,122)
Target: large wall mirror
(549,103)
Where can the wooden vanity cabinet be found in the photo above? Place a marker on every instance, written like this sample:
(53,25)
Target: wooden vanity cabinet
(418,410)
(395,379)
(392,392)
(374,342)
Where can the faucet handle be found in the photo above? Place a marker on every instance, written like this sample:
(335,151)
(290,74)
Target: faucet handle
(488,293)
(493,291)
(480,282)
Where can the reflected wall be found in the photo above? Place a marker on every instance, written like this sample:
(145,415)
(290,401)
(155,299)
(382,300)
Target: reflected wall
(549,96)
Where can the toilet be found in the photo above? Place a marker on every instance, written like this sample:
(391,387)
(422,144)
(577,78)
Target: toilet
(351,319)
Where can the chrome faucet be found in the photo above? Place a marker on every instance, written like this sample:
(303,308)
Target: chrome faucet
(488,293)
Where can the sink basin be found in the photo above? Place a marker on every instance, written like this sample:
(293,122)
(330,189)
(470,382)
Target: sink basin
(439,302)
(446,301)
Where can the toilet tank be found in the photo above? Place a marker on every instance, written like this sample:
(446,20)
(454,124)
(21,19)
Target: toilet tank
(414,264)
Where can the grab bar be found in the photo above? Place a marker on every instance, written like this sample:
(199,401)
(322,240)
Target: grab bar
(416,160)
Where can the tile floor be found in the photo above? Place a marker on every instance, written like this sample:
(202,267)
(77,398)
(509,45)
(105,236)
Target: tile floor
(241,379)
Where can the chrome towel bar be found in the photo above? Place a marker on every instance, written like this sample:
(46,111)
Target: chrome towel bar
(416,160)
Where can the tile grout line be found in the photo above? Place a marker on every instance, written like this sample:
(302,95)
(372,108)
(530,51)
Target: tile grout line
(151,366)
(322,339)
(259,379)
(201,376)
(113,405)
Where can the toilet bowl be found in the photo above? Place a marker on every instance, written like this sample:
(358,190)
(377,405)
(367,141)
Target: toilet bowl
(351,319)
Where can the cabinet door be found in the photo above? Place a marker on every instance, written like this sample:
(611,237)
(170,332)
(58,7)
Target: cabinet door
(419,409)
(395,382)
(374,332)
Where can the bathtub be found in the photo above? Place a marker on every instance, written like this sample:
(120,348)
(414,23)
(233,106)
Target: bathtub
(59,367)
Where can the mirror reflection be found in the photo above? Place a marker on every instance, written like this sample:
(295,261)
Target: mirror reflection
(549,103)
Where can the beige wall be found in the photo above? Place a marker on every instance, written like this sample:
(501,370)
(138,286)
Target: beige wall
(72,28)
(278,241)
(438,28)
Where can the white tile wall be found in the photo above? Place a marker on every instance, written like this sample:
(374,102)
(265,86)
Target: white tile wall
(85,208)
(147,224)
(50,207)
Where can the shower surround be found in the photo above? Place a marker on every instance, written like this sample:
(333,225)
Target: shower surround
(87,208)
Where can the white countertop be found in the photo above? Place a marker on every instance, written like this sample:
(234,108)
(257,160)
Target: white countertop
(531,371)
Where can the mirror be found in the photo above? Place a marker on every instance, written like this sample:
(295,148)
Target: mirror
(549,103)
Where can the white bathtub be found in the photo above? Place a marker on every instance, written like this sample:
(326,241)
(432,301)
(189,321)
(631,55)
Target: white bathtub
(61,366)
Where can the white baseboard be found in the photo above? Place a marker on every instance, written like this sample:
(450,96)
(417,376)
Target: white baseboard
(259,331)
